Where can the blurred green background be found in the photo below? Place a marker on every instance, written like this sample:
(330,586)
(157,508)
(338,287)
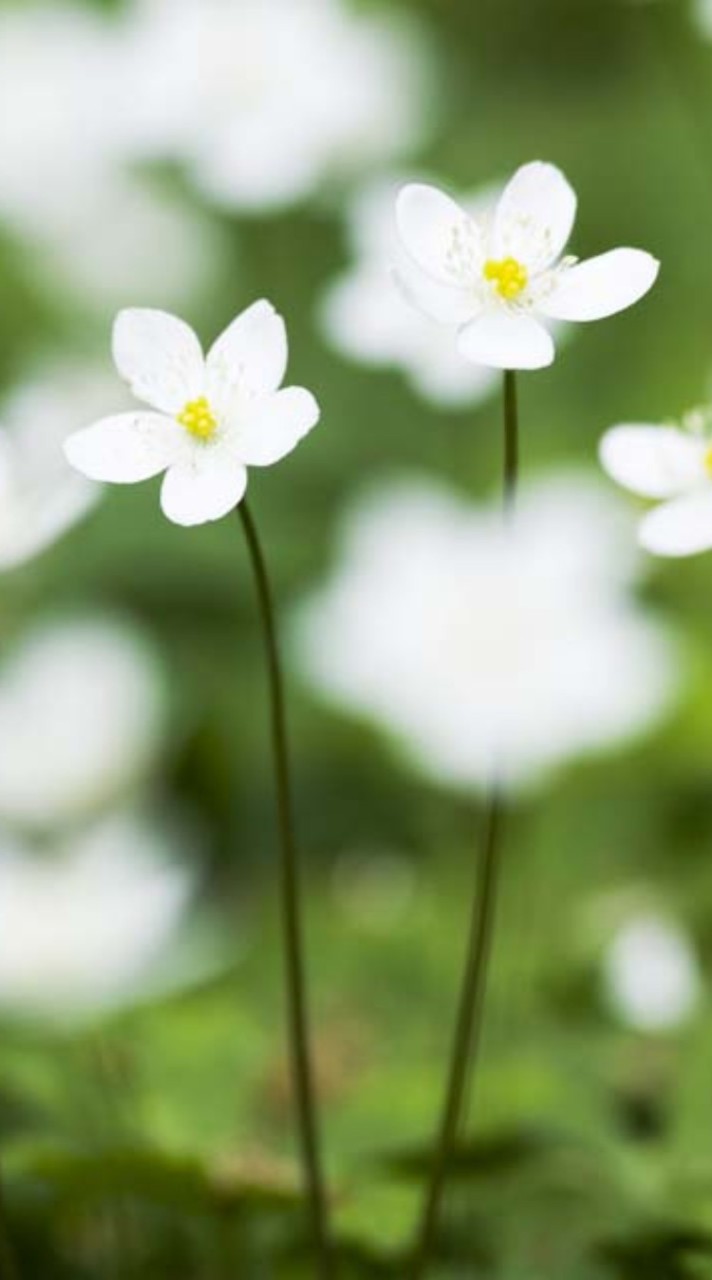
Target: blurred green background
(156,1140)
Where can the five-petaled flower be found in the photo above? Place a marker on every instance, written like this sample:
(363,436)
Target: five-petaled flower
(674,465)
(492,278)
(211,416)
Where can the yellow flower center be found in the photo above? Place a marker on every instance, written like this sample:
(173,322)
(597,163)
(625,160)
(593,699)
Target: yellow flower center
(198,418)
(708,461)
(508,276)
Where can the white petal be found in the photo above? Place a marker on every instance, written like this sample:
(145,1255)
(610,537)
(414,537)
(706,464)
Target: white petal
(126,447)
(204,487)
(430,226)
(445,303)
(535,216)
(601,286)
(679,528)
(160,358)
(276,425)
(656,462)
(249,357)
(505,340)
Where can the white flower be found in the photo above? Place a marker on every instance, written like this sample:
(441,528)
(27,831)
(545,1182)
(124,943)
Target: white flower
(496,277)
(83,925)
(674,465)
(481,649)
(40,496)
(651,975)
(211,417)
(702,17)
(264,99)
(364,317)
(82,715)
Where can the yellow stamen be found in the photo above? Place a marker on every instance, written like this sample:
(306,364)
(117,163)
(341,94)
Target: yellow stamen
(708,461)
(198,418)
(508,276)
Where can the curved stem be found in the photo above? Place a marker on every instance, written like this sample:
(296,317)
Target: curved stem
(468,1026)
(302,1071)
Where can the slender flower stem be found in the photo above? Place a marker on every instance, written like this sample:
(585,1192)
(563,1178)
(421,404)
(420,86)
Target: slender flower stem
(302,1071)
(468,1026)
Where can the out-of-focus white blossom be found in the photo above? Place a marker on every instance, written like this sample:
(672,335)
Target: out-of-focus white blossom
(651,975)
(264,99)
(40,495)
(483,650)
(82,716)
(364,317)
(129,241)
(83,924)
(702,17)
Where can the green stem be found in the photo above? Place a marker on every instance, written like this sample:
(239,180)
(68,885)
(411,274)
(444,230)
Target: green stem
(302,1071)
(468,1027)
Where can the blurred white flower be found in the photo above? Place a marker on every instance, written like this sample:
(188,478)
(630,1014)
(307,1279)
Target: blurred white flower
(40,496)
(650,973)
(212,416)
(264,99)
(481,649)
(60,110)
(364,317)
(674,465)
(492,277)
(702,17)
(83,926)
(128,240)
(82,716)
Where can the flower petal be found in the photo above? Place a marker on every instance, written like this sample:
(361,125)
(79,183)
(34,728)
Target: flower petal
(534,217)
(601,286)
(679,528)
(160,358)
(250,357)
(506,340)
(276,425)
(431,227)
(445,303)
(205,486)
(656,462)
(126,447)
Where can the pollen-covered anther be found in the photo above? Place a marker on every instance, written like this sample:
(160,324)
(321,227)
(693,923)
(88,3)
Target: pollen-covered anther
(508,276)
(198,418)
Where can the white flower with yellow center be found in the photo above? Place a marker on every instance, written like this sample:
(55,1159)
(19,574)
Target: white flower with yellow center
(211,417)
(497,276)
(674,465)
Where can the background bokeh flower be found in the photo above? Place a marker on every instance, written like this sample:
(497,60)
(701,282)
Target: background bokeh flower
(488,650)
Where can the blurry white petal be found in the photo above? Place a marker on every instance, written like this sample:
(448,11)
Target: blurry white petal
(534,216)
(445,303)
(160,358)
(86,922)
(507,340)
(681,527)
(205,487)
(601,286)
(651,974)
(432,227)
(82,713)
(127,447)
(275,425)
(656,462)
(249,358)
